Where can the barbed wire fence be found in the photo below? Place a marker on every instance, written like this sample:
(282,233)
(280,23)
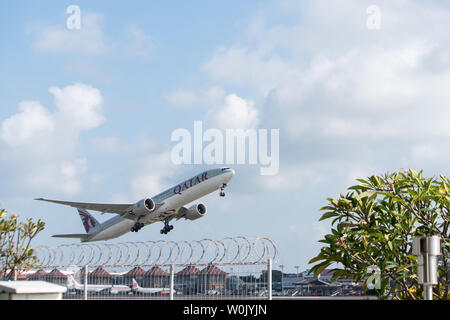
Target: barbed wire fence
(234,267)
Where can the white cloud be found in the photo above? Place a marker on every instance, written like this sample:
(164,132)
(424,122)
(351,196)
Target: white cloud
(340,81)
(107,144)
(234,113)
(309,233)
(344,96)
(33,120)
(349,102)
(209,98)
(292,177)
(137,42)
(120,198)
(80,105)
(239,65)
(42,144)
(223,111)
(88,40)
(151,172)
(91,39)
(60,176)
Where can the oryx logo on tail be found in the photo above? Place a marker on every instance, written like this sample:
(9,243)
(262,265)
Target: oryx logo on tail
(89,222)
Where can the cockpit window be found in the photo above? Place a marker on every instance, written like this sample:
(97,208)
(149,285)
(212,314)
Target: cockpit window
(223,169)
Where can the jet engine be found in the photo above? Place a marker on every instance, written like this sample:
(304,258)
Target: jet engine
(196,211)
(144,206)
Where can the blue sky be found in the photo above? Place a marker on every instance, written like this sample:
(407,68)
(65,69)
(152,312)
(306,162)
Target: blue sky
(87,114)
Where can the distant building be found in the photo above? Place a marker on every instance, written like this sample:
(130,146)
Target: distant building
(99,276)
(57,277)
(234,283)
(318,287)
(156,278)
(188,279)
(325,275)
(289,280)
(323,285)
(212,279)
(39,275)
(136,273)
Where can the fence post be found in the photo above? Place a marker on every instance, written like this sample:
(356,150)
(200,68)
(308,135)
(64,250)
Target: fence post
(85,281)
(269,278)
(172,276)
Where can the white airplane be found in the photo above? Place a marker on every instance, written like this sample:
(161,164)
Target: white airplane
(96,288)
(164,207)
(138,289)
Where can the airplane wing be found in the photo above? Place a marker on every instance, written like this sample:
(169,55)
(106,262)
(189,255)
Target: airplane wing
(102,207)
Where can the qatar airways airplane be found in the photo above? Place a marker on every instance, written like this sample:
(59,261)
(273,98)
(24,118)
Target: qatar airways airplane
(164,207)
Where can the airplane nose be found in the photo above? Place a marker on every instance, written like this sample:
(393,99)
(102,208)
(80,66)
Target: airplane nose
(230,174)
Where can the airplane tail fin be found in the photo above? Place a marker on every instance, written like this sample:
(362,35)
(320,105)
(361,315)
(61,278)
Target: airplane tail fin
(89,222)
(72,282)
(135,284)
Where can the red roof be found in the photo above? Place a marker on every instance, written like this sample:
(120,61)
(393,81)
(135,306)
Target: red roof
(156,271)
(213,270)
(21,276)
(38,274)
(56,274)
(135,272)
(100,273)
(189,270)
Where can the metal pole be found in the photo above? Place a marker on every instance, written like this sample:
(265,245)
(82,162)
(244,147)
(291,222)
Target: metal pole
(427,287)
(427,249)
(85,281)
(428,292)
(269,278)
(172,276)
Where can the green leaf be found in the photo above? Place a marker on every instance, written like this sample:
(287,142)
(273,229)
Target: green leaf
(328,215)
(315,259)
(363,181)
(320,267)
(377,235)
(390,266)
(405,267)
(365,194)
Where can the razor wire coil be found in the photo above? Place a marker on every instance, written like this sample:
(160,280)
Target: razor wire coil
(228,251)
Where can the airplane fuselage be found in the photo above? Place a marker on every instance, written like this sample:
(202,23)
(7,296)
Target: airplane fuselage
(173,199)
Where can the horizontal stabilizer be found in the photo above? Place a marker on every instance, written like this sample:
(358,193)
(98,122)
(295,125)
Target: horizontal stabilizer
(74,235)
(102,207)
